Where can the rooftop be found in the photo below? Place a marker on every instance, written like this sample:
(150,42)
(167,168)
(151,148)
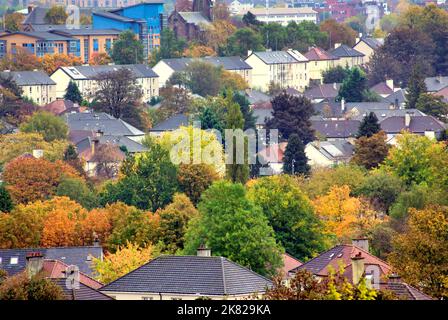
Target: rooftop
(274,57)
(228,63)
(281,11)
(171,123)
(316,54)
(344,51)
(436,83)
(194,18)
(322,91)
(90,72)
(336,128)
(374,43)
(27,78)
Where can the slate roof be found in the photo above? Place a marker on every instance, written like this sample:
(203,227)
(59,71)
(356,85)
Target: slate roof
(328,108)
(90,72)
(83,293)
(398,96)
(316,54)
(37,16)
(27,78)
(42,35)
(418,124)
(371,42)
(274,57)
(261,115)
(69,255)
(336,128)
(255,96)
(434,84)
(334,150)
(364,107)
(344,51)
(131,145)
(104,122)
(382,114)
(171,123)
(194,18)
(322,91)
(406,291)
(88,32)
(206,276)
(382,88)
(443,93)
(228,63)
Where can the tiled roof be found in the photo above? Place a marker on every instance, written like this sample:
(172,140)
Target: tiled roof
(228,63)
(328,108)
(418,124)
(194,18)
(290,263)
(171,123)
(316,54)
(434,84)
(336,128)
(344,51)
(273,57)
(86,143)
(90,72)
(382,88)
(322,91)
(443,93)
(255,96)
(403,290)
(26,78)
(274,152)
(101,122)
(398,96)
(79,256)
(206,276)
(373,43)
(382,114)
(82,293)
(262,114)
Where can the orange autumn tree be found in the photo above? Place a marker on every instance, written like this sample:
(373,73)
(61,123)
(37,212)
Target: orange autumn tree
(338,211)
(51,62)
(199,51)
(98,59)
(31,179)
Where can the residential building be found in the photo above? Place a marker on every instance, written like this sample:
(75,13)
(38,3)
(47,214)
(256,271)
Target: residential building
(166,67)
(35,85)
(284,16)
(285,68)
(368,46)
(289,263)
(319,61)
(85,78)
(397,99)
(14,261)
(321,92)
(172,123)
(328,153)
(60,106)
(272,158)
(348,57)
(434,84)
(262,112)
(331,130)
(145,19)
(385,88)
(357,262)
(188,278)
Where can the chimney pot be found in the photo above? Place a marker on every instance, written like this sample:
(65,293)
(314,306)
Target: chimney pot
(203,251)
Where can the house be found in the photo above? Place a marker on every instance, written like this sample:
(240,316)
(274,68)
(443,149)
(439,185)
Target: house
(166,67)
(434,84)
(60,106)
(382,114)
(35,85)
(284,16)
(284,68)
(14,261)
(319,61)
(320,92)
(192,25)
(272,158)
(347,56)
(328,109)
(85,78)
(385,88)
(170,124)
(35,15)
(397,98)
(356,262)
(188,278)
(262,112)
(329,153)
(145,19)
(443,93)
(256,96)
(289,263)
(335,129)
(359,109)
(368,46)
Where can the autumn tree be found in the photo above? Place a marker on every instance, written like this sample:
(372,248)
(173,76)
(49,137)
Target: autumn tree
(286,207)
(294,157)
(99,59)
(51,62)
(37,288)
(420,254)
(127,49)
(371,151)
(56,15)
(13,21)
(21,60)
(291,114)
(194,179)
(217,33)
(72,93)
(199,51)
(174,220)
(126,259)
(50,126)
(339,33)
(30,179)
(117,91)
(232,226)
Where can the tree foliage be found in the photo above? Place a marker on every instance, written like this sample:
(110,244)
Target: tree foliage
(72,93)
(50,126)
(294,158)
(127,49)
(37,288)
(194,179)
(56,15)
(51,62)
(371,151)
(369,126)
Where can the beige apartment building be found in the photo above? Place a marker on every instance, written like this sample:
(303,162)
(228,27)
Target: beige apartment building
(85,79)
(319,61)
(285,68)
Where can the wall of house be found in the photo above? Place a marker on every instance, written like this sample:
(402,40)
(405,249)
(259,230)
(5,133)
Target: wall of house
(317,67)
(365,49)
(316,158)
(260,73)
(62,80)
(164,72)
(285,19)
(40,94)
(350,61)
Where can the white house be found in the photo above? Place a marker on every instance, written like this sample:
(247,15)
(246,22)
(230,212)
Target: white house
(285,15)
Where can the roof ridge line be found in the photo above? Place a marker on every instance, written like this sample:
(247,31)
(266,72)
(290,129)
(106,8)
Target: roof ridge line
(223,276)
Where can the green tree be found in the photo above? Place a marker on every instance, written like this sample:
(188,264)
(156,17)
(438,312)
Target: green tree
(13,21)
(170,46)
(234,227)
(71,157)
(149,180)
(203,78)
(432,105)
(248,113)
(294,158)
(336,75)
(274,35)
(369,126)
(72,93)
(354,87)
(56,15)
(77,190)
(242,41)
(416,86)
(127,49)
(290,214)
(291,114)
(6,204)
(50,126)
(210,120)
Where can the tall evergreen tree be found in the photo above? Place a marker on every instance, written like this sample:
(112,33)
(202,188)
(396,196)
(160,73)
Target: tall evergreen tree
(127,49)
(248,114)
(291,114)
(369,126)
(210,120)
(294,158)
(5,199)
(72,93)
(416,86)
(354,87)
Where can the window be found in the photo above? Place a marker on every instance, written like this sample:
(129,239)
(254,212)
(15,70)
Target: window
(14,260)
(146,298)
(95,45)
(108,44)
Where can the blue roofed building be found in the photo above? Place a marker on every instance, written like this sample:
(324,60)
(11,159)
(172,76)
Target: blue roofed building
(145,19)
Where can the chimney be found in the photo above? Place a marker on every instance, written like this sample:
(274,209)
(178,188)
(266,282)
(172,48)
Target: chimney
(96,240)
(249,52)
(394,278)
(30,9)
(95,141)
(407,119)
(362,243)
(72,279)
(357,268)
(390,83)
(396,104)
(38,153)
(343,105)
(337,45)
(203,251)
(34,263)
(335,87)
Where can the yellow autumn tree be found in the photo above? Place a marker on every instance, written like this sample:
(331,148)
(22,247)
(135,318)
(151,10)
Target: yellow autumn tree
(123,261)
(199,51)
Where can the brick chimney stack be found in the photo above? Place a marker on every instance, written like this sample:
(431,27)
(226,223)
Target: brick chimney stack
(34,263)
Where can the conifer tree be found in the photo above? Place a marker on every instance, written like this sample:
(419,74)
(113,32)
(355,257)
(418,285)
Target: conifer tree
(294,158)
(72,93)
(369,126)
(416,87)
